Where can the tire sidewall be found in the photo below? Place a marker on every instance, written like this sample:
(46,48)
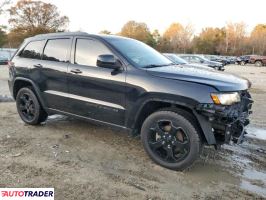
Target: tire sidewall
(178,121)
(258,63)
(35,102)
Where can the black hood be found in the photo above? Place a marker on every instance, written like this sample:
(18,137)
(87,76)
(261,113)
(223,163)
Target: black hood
(220,80)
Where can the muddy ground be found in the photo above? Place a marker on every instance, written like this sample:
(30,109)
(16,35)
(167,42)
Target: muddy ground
(85,161)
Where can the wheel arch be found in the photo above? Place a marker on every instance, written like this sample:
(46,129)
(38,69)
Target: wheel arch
(24,82)
(154,105)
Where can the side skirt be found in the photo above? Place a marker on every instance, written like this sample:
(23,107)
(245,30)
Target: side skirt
(52,111)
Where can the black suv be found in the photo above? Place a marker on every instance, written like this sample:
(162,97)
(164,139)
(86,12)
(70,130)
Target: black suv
(243,60)
(124,83)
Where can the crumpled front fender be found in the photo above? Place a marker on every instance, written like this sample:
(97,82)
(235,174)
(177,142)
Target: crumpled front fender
(221,124)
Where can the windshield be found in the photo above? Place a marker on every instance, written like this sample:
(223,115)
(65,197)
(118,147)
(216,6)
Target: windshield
(138,53)
(176,59)
(201,58)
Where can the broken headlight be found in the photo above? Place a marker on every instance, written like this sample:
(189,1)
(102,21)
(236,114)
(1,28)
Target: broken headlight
(225,98)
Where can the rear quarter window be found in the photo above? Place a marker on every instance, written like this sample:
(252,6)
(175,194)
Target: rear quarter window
(33,50)
(57,50)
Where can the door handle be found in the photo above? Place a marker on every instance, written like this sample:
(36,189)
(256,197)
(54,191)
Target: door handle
(76,71)
(38,66)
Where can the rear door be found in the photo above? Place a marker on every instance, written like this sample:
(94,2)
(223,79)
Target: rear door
(52,74)
(28,57)
(93,91)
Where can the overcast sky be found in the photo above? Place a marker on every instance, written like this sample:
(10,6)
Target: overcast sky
(95,15)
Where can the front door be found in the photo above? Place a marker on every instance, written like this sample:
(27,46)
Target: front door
(93,91)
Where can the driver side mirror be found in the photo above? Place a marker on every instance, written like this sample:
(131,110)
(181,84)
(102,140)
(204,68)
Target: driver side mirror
(108,61)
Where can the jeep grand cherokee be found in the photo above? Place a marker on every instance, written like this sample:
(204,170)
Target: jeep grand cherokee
(124,83)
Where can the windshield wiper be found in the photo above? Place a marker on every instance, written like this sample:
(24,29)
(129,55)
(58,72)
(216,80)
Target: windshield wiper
(154,65)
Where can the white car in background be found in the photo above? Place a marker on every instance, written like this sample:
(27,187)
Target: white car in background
(180,61)
(5,55)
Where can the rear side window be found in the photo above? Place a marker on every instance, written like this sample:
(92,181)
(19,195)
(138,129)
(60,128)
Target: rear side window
(88,50)
(33,50)
(57,50)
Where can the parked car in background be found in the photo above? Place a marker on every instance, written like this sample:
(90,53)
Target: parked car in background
(243,60)
(215,58)
(5,55)
(3,60)
(180,61)
(258,60)
(191,58)
(231,59)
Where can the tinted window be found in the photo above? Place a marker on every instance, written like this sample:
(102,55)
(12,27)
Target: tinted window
(87,51)
(139,53)
(57,50)
(33,50)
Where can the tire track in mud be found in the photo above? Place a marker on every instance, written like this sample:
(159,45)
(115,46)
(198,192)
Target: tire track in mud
(104,164)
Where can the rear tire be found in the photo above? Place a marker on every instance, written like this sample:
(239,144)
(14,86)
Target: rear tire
(242,63)
(258,63)
(29,108)
(171,139)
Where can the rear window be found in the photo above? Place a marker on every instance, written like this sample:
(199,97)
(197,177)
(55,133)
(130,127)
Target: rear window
(57,50)
(33,50)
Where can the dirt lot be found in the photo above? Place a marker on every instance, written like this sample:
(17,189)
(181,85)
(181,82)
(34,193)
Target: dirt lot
(85,161)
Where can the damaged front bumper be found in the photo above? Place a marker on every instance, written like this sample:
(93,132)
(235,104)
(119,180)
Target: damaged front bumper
(227,123)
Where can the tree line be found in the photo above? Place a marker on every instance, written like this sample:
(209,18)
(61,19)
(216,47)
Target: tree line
(28,18)
(229,40)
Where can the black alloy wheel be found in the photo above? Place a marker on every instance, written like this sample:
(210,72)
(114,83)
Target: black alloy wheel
(29,108)
(26,106)
(171,138)
(169,142)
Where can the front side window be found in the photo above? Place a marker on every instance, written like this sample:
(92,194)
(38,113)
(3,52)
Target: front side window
(57,50)
(138,53)
(33,50)
(87,51)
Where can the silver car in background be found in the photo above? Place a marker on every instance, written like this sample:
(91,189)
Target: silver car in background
(198,59)
(180,61)
(5,55)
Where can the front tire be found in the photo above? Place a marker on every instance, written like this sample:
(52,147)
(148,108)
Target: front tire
(171,139)
(29,108)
